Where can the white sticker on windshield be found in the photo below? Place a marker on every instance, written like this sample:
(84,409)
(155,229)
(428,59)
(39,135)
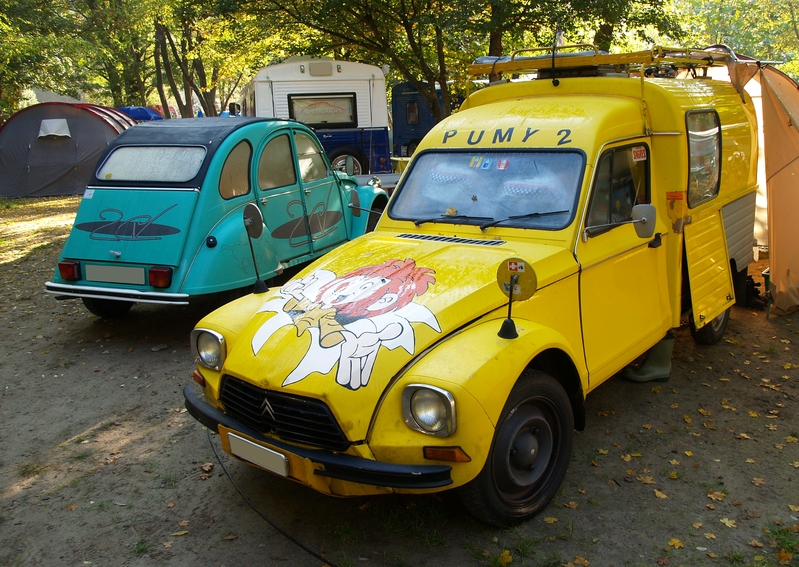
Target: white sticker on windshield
(639,153)
(88,194)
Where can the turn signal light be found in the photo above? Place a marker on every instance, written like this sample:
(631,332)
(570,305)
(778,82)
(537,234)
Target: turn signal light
(161,277)
(69,270)
(454,454)
(199,378)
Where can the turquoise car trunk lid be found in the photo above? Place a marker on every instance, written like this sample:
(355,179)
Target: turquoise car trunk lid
(132,226)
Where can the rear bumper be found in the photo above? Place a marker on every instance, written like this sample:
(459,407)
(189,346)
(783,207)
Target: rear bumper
(336,465)
(66,291)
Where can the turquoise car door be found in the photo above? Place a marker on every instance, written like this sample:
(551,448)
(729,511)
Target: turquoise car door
(322,195)
(281,200)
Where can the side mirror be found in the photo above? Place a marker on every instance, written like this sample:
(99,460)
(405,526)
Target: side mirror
(349,165)
(644,217)
(254,225)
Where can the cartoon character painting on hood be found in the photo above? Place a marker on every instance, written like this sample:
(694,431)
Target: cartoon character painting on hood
(350,317)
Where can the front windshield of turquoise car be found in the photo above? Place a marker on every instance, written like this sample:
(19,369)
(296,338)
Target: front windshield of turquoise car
(520,189)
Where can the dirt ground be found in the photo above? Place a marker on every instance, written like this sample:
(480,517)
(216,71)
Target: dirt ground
(101,465)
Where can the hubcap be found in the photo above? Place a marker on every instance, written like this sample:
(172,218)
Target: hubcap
(524,451)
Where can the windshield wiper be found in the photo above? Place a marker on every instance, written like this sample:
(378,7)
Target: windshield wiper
(420,222)
(493,222)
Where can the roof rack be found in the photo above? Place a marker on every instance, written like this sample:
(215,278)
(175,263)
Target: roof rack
(589,56)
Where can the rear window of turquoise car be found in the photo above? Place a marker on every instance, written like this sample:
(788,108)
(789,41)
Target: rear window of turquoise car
(152,163)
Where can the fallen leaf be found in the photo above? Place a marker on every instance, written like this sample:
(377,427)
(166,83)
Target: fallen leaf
(551,520)
(180,533)
(602,451)
(753,513)
(662,561)
(710,506)
(572,505)
(794,508)
(758,481)
(704,412)
(594,463)
(729,523)
(646,426)
(755,543)
(167,543)
(582,561)
(646,479)
(676,543)
(673,475)
(689,454)
(697,525)
(791,439)
(784,556)
(230,537)
(711,554)
(207,467)
(710,536)
(183,523)
(657,389)
(170,505)
(737,502)
(795,464)
(626,458)
(674,406)
(687,419)
(505,558)
(72,507)
(753,413)
(660,494)
(717,496)
(771,427)
(742,436)
(674,462)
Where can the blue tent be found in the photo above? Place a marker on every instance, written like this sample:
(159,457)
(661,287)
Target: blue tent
(140,113)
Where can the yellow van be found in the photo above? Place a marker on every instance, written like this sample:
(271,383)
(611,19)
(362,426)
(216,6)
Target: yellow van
(541,239)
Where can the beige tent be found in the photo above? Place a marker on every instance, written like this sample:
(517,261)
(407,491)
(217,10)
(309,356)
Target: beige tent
(780,95)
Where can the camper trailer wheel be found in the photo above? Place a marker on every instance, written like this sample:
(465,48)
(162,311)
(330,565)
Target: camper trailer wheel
(107,308)
(529,456)
(338,159)
(711,333)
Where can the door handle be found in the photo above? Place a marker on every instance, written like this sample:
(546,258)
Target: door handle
(307,191)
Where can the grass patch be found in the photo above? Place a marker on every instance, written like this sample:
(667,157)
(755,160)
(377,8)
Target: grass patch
(30,468)
(141,547)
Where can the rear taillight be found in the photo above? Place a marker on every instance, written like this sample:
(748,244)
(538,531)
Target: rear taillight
(161,277)
(69,270)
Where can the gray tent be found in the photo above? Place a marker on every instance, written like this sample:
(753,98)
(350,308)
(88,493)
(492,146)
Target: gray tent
(51,148)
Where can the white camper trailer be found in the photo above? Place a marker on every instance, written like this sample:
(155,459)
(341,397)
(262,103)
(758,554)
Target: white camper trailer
(345,103)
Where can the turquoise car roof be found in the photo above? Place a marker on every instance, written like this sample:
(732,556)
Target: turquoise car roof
(206,132)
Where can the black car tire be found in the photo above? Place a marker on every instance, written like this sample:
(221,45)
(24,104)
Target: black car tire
(529,455)
(713,331)
(107,308)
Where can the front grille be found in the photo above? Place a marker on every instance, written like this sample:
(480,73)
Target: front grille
(293,418)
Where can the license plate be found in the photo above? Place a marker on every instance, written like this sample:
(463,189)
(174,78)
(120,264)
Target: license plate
(258,455)
(115,274)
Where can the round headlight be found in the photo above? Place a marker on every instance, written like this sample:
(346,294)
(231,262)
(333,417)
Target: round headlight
(429,410)
(209,350)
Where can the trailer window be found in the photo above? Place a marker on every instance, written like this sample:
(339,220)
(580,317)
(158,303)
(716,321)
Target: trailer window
(622,181)
(324,110)
(412,113)
(235,177)
(276,165)
(309,157)
(704,155)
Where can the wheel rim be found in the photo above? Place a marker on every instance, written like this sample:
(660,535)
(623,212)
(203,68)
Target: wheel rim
(340,164)
(718,322)
(526,450)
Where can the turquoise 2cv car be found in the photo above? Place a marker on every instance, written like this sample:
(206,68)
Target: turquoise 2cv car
(162,219)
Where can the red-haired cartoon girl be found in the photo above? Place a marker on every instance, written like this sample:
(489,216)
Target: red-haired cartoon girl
(350,317)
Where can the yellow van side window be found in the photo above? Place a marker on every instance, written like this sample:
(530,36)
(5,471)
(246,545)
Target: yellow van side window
(235,177)
(704,155)
(622,181)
